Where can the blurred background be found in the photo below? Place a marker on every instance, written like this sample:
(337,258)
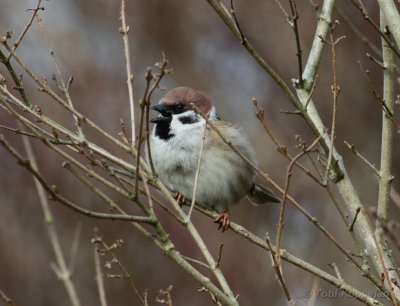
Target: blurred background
(204,55)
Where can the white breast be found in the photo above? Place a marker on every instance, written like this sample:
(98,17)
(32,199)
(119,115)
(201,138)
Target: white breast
(224,178)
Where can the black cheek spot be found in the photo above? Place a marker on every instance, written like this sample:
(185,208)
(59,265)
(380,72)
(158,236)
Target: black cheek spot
(188,120)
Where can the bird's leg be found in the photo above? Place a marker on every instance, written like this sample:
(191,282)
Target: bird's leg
(180,199)
(223,220)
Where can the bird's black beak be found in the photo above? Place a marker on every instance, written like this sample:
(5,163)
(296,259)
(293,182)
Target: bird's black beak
(160,119)
(162,109)
(165,113)
(159,107)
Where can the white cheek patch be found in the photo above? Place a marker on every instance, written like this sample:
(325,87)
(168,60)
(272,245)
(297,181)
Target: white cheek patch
(180,128)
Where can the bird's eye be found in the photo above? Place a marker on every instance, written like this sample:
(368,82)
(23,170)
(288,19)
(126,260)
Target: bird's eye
(179,108)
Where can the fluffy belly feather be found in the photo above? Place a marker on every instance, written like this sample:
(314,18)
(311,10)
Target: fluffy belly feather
(224,178)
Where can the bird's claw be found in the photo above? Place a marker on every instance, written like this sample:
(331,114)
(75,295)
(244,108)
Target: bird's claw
(180,199)
(223,221)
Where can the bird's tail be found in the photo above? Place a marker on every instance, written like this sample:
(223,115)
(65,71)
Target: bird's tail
(260,194)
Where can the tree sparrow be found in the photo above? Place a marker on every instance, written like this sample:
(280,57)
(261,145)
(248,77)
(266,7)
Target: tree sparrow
(224,177)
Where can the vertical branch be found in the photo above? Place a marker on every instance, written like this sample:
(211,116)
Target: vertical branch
(62,268)
(99,272)
(285,195)
(139,140)
(162,65)
(335,91)
(196,178)
(388,127)
(278,271)
(124,30)
(293,22)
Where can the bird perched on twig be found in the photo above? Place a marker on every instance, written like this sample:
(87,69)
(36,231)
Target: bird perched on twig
(224,178)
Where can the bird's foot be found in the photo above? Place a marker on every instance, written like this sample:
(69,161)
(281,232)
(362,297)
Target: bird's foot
(180,199)
(223,221)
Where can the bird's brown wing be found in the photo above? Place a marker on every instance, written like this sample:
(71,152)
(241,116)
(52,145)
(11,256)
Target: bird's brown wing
(260,194)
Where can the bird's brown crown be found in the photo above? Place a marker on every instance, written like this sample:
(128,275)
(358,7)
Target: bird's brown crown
(188,97)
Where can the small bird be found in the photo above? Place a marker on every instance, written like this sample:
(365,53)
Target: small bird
(224,177)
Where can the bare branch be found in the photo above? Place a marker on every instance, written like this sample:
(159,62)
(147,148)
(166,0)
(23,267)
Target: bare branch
(6,299)
(285,194)
(196,178)
(63,272)
(99,271)
(27,26)
(362,158)
(278,272)
(385,177)
(124,30)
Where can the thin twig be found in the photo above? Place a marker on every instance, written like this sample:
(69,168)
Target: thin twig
(358,33)
(280,6)
(395,196)
(158,77)
(16,79)
(74,248)
(285,194)
(197,262)
(380,101)
(99,272)
(139,139)
(196,177)
(293,22)
(167,293)
(354,219)
(27,26)
(63,273)
(124,30)
(314,83)
(109,249)
(233,13)
(6,299)
(221,246)
(388,228)
(360,6)
(376,61)
(362,158)
(335,92)
(336,269)
(388,282)
(278,272)
(63,87)
(281,148)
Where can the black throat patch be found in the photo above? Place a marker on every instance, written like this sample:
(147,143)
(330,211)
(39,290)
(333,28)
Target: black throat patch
(163,129)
